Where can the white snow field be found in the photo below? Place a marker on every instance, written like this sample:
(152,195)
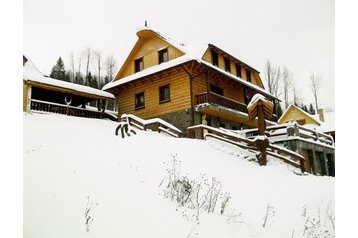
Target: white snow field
(80,180)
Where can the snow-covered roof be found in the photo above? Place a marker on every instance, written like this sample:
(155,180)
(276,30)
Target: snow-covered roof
(192,51)
(31,73)
(148,71)
(299,109)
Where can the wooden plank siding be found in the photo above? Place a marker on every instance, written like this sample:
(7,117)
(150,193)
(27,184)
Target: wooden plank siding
(232,89)
(255,77)
(178,81)
(147,48)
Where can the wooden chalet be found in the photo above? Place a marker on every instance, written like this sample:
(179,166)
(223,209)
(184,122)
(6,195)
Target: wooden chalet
(309,135)
(41,93)
(186,84)
(294,113)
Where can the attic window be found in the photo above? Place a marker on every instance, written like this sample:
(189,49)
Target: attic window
(248,75)
(238,70)
(227,65)
(214,58)
(138,65)
(163,56)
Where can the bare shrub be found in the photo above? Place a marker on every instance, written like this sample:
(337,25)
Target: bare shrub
(199,196)
(88,218)
(314,227)
(269,215)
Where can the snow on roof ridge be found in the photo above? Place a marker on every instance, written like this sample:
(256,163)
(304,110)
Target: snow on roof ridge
(307,114)
(31,73)
(148,71)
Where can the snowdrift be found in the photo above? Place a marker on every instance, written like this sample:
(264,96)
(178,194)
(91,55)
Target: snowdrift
(80,180)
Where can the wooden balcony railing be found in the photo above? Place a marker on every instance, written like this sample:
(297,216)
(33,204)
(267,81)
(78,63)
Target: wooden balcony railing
(216,99)
(38,105)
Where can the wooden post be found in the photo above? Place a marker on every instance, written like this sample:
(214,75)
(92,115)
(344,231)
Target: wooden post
(28,98)
(261,119)
(263,109)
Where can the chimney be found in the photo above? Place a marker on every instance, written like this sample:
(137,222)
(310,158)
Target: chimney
(321,115)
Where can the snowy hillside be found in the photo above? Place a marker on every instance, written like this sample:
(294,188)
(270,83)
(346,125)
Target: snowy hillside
(80,180)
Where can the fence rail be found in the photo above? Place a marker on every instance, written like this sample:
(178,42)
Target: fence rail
(155,124)
(293,129)
(287,156)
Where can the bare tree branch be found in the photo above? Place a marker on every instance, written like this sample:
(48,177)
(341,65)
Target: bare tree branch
(287,79)
(315,86)
(273,77)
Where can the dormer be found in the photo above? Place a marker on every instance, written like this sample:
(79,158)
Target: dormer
(232,65)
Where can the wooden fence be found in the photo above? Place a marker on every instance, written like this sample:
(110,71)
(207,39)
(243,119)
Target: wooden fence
(288,156)
(293,129)
(155,124)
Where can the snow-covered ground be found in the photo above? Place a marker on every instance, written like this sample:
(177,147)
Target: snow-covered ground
(80,180)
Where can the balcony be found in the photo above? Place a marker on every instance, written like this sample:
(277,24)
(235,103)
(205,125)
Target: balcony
(221,101)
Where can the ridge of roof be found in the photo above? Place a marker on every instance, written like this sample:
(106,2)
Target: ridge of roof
(307,114)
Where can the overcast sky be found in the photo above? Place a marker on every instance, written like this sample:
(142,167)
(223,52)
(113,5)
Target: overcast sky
(299,33)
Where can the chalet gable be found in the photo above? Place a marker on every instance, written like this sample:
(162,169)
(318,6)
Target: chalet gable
(150,49)
(297,114)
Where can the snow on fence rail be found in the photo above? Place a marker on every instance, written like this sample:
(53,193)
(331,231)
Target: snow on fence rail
(296,130)
(288,156)
(155,123)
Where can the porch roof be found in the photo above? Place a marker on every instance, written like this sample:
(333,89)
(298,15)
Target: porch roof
(33,76)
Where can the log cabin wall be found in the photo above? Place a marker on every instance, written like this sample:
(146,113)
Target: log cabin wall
(147,48)
(179,85)
(231,89)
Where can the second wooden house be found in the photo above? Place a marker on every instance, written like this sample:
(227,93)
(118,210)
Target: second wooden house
(186,85)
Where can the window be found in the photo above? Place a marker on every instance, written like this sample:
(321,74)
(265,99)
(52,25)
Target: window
(216,89)
(163,56)
(139,101)
(227,65)
(138,65)
(164,94)
(214,58)
(238,70)
(248,75)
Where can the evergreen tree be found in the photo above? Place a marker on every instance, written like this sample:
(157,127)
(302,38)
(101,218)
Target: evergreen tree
(94,82)
(79,78)
(311,110)
(304,108)
(89,79)
(58,71)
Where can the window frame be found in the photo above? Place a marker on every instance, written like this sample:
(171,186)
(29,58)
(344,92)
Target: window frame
(227,65)
(214,55)
(161,55)
(160,93)
(248,75)
(135,101)
(141,63)
(238,71)
(214,89)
